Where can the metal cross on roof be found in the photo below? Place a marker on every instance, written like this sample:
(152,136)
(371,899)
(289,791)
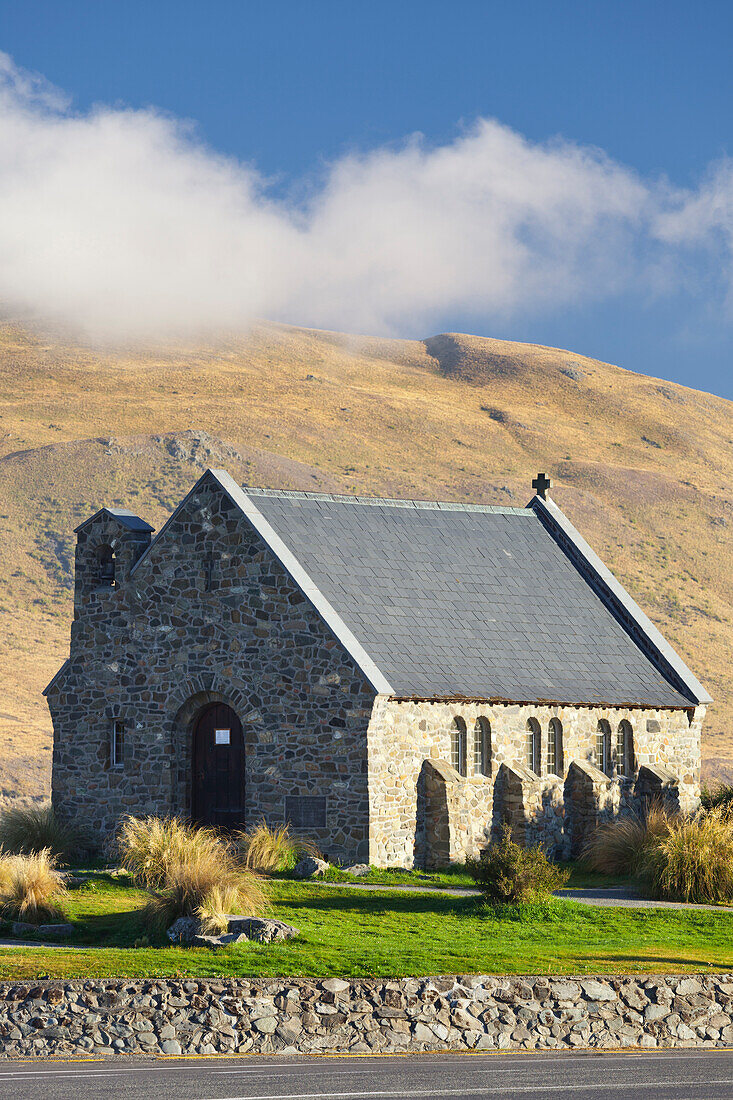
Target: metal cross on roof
(541,484)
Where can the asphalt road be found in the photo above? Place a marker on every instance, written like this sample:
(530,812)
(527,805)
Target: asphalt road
(673,1075)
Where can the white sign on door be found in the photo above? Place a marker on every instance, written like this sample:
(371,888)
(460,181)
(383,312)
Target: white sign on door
(222,737)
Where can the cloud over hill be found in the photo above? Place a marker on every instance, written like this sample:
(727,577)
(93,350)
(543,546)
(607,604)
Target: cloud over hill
(122,223)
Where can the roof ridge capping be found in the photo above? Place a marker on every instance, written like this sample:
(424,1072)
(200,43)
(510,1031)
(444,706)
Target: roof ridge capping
(639,627)
(384,502)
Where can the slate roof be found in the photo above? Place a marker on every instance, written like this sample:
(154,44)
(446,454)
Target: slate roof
(440,600)
(127,519)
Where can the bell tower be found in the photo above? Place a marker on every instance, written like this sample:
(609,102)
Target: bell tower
(108,545)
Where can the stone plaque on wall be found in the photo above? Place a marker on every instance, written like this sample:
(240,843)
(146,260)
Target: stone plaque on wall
(305,811)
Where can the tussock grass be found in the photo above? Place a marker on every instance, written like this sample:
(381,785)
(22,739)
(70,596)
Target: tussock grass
(226,898)
(268,850)
(693,860)
(147,846)
(26,829)
(188,871)
(680,858)
(30,887)
(620,847)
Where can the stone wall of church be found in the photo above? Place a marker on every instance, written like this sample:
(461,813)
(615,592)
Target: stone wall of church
(208,616)
(405,810)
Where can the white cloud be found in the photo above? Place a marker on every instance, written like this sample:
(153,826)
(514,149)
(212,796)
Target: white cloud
(123,225)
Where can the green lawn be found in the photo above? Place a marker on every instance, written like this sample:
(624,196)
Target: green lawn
(360,933)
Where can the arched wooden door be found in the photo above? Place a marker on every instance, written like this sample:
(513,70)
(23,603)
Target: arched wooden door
(218,768)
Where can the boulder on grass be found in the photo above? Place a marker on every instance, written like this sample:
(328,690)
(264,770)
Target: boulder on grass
(74,879)
(184,930)
(310,867)
(358,869)
(60,931)
(261,929)
(187,931)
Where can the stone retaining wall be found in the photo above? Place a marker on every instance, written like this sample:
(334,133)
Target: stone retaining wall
(285,1015)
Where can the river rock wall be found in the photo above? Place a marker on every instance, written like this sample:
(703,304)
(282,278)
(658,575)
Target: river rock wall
(224,1016)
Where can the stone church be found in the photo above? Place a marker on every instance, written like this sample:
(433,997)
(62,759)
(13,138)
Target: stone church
(394,678)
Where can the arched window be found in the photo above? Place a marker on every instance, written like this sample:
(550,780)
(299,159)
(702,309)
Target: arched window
(554,748)
(458,746)
(533,757)
(106,567)
(603,746)
(482,747)
(625,749)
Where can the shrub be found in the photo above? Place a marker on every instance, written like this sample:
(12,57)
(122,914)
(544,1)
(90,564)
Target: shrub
(188,872)
(26,829)
(693,861)
(30,887)
(507,872)
(269,850)
(619,847)
(720,795)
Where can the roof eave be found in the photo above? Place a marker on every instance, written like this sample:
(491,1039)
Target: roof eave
(626,609)
(54,679)
(505,701)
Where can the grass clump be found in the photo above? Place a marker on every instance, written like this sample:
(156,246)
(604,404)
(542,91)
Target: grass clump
(693,860)
(621,847)
(272,850)
(678,857)
(27,829)
(30,887)
(147,846)
(188,871)
(507,872)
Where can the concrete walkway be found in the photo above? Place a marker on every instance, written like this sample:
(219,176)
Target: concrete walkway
(46,945)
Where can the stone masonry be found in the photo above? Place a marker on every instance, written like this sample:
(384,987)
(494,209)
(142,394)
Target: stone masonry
(155,650)
(291,1016)
(402,735)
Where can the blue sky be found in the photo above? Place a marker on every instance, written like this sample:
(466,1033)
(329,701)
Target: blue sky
(294,88)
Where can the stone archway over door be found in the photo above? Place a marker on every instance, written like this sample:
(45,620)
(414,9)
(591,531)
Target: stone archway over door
(217,794)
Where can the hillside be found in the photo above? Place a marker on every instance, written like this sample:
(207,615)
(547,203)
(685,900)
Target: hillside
(642,467)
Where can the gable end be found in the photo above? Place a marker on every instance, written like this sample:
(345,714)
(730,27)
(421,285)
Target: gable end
(304,582)
(287,559)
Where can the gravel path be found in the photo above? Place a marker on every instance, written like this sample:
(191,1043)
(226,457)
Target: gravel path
(610,895)
(629,899)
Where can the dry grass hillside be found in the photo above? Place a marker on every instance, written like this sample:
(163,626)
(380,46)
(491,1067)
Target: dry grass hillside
(642,467)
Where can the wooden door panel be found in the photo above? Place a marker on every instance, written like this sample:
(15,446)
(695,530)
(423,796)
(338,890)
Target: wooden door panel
(218,768)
